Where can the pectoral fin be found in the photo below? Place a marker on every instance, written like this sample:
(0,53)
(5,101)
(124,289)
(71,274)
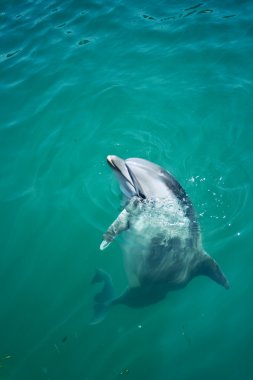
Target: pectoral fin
(120,224)
(104,245)
(208,267)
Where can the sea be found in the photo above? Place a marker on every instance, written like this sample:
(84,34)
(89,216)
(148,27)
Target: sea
(168,81)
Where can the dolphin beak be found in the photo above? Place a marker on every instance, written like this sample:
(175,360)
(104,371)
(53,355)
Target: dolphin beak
(116,163)
(110,161)
(121,170)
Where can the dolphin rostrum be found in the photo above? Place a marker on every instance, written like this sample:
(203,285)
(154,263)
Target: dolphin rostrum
(163,249)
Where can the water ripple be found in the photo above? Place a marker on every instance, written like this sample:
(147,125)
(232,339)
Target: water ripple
(83,80)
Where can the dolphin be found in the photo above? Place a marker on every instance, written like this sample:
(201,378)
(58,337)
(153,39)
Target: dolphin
(163,249)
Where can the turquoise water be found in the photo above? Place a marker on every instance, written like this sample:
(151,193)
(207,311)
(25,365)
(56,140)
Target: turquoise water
(167,81)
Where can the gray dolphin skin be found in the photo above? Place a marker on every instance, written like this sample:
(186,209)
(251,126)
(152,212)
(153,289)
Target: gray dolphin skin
(162,249)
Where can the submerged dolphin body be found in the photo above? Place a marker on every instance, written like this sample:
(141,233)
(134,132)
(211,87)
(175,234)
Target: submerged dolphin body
(163,249)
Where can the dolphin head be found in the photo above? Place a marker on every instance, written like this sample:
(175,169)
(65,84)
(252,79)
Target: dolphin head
(139,177)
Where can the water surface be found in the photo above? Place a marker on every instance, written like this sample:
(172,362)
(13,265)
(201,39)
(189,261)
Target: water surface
(167,81)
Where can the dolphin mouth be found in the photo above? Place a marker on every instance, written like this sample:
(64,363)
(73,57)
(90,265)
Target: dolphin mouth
(122,172)
(125,175)
(119,165)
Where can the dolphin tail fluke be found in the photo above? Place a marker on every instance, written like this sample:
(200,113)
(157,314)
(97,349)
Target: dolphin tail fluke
(104,298)
(209,267)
